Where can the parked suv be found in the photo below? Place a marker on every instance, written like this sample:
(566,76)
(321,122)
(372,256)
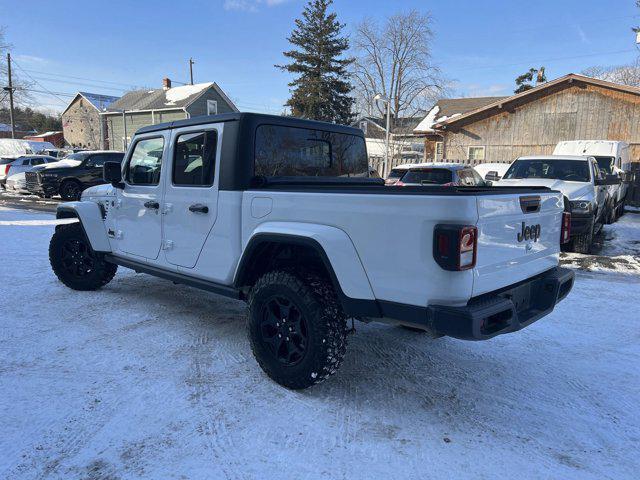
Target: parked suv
(581,181)
(279,212)
(70,176)
(12,165)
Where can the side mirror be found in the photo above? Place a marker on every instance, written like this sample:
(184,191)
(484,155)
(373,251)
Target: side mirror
(492,176)
(609,180)
(112,173)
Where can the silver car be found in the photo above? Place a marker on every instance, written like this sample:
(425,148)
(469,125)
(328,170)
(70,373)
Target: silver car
(11,165)
(443,174)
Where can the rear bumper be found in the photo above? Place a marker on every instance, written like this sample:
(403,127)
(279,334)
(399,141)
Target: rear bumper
(504,311)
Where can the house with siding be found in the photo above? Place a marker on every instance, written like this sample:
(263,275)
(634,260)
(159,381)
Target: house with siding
(572,107)
(141,108)
(82,125)
(444,109)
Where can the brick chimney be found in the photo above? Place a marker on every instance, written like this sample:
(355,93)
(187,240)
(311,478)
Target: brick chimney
(166,83)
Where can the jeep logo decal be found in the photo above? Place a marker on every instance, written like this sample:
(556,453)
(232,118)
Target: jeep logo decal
(531,232)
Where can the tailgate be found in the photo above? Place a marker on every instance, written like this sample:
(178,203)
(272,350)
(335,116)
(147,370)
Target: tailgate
(518,237)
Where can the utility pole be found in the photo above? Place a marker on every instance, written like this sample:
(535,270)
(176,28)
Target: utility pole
(10,90)
(191,62)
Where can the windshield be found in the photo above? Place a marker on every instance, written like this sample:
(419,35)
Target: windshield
(5,161)
(435,176)
(605,164)
(567,170)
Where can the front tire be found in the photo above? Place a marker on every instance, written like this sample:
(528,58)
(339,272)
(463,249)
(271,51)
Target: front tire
(297,329)
(75,263)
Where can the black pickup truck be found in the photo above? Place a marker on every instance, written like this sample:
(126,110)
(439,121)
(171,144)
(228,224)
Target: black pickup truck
(70,176)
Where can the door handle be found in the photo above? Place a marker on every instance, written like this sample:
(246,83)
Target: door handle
(199,208)
(152,204)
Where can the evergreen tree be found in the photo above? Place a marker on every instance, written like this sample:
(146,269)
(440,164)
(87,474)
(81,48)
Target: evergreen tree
(321,90)
(524,81)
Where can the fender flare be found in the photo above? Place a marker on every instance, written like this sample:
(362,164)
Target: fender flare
(335,249)
(90,216)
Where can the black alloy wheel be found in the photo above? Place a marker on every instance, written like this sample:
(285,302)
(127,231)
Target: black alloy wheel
(74,261)
(284,330)
(78,258)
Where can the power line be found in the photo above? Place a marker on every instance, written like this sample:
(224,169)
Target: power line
(542,62)
(127,85)
(45,88)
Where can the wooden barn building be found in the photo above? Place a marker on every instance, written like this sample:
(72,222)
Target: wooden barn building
(573,107)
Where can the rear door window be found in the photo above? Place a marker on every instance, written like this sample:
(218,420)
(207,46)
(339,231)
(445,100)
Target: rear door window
(194,159)
(300,152)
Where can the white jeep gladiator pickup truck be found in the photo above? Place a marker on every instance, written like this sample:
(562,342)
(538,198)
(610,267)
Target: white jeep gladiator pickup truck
(278,212)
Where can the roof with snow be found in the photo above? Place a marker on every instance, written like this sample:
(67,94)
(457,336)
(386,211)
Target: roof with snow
(451,107)
(46,134)
(164,99)
(539,91)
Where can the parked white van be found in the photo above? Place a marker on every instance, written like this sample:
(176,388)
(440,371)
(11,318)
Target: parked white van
(613,159)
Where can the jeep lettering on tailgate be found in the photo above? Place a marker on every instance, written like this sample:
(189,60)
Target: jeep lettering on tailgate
(531,232)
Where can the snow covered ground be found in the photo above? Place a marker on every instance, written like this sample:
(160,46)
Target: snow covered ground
(146,379)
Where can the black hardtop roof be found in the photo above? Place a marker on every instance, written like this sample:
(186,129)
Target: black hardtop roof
(253,118)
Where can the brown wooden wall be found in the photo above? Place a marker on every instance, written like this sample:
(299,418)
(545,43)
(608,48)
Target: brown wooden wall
(574,113)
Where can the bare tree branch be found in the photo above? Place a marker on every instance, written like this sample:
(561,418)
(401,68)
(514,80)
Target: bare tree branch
(394,59)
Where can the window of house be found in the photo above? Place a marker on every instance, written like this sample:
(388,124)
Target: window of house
(194,159)
(363,126)
(439,150)
(146,161)
(476,153)
(212,107)
(292,152)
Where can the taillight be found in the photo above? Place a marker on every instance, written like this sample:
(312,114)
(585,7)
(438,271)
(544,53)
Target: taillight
(565,231)
(455,247)
(6,169)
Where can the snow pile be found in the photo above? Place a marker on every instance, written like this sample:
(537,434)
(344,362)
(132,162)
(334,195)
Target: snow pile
(178,94)
(12,147)
(616,249)
(426,125)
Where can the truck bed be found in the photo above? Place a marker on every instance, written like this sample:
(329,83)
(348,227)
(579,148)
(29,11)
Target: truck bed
(376,186)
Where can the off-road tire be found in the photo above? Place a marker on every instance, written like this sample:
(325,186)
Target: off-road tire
(70,253)
(70,190)
(326,327)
